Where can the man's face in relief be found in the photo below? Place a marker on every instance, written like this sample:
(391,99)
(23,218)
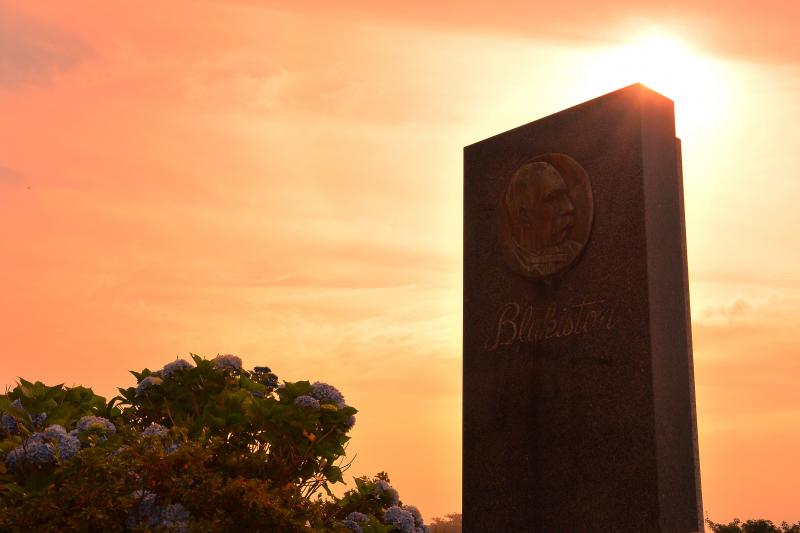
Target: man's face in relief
(542,206)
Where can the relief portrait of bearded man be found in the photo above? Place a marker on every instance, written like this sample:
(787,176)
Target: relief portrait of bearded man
(540,215)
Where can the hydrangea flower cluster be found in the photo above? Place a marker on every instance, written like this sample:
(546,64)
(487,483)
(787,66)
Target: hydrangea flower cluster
(265,376)
(148,382)
(95,425)
(352,526)
(158,431)
(46,447)
(9,423)
(355,516)
(350,422)
(384,490)
(155,430)
(419,523)
(307,402)
(228,362)
(176,366)
(400,518)
(327,394)
(147,512)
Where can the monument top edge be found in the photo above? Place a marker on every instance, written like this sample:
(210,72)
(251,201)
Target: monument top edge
(633,88)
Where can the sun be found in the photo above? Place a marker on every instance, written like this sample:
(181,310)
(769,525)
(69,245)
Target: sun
(668,65)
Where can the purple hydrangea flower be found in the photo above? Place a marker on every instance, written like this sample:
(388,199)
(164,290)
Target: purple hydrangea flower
(175,517)
(307,402)
(383,489)
(327,394)
(158,431)
(418,521)
(422,529)
(399,518)
(155,430)
(146,511)
(46,447)
(349,423)
(352,526)
(38,420)
(14,458)
(8,424)
(147,382)
(176,366)
(96,425)
(227,362)
(355,516)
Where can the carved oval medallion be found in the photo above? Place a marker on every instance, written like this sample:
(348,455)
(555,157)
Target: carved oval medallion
(545,216)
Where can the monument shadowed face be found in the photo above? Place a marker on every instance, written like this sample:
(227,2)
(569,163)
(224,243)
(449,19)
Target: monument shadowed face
(539,207)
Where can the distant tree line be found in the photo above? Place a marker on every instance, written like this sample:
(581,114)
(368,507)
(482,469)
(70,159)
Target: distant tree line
(452,524)
(752,526)
(449,524)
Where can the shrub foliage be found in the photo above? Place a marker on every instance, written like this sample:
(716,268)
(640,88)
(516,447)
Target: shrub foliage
(196,446)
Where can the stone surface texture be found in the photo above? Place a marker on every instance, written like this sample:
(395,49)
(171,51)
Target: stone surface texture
(579,411)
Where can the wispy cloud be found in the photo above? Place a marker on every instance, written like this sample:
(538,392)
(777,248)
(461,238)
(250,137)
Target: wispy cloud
(747,30)
(32,53)
(10,177)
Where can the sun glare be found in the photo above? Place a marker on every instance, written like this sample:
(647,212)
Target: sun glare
(669,66)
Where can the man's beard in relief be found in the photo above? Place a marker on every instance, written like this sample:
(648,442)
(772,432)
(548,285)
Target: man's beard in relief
(563,226)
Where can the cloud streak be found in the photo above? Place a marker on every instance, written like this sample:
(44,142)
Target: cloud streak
(32,53)
(745,30)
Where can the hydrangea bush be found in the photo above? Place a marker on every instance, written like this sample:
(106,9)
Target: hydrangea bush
(204,445)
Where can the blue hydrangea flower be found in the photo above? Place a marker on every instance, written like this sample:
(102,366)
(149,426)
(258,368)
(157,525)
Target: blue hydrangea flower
(9,424)
(95,425)
(39,452)
(355,516)
(352,526)
(158,431)
(227,362)
(46,447)
(176,366)
(399,518)
(15,458)
(38,420)
(384,490)
(307,402)
(147,382)
(155,430)
(349,423)
(327,394)
(146,511)
(175,517)
(418,521)
(66,445)
(265,376)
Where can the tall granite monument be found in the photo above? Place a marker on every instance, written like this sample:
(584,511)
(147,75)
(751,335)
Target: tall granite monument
(579,410)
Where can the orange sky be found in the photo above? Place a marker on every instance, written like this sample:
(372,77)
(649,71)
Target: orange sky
(283,181)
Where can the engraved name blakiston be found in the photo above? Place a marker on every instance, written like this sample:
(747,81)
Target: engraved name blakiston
(525,323)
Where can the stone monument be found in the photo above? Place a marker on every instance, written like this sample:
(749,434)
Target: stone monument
(579,410)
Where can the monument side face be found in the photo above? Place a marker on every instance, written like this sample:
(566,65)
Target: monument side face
(578,393)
